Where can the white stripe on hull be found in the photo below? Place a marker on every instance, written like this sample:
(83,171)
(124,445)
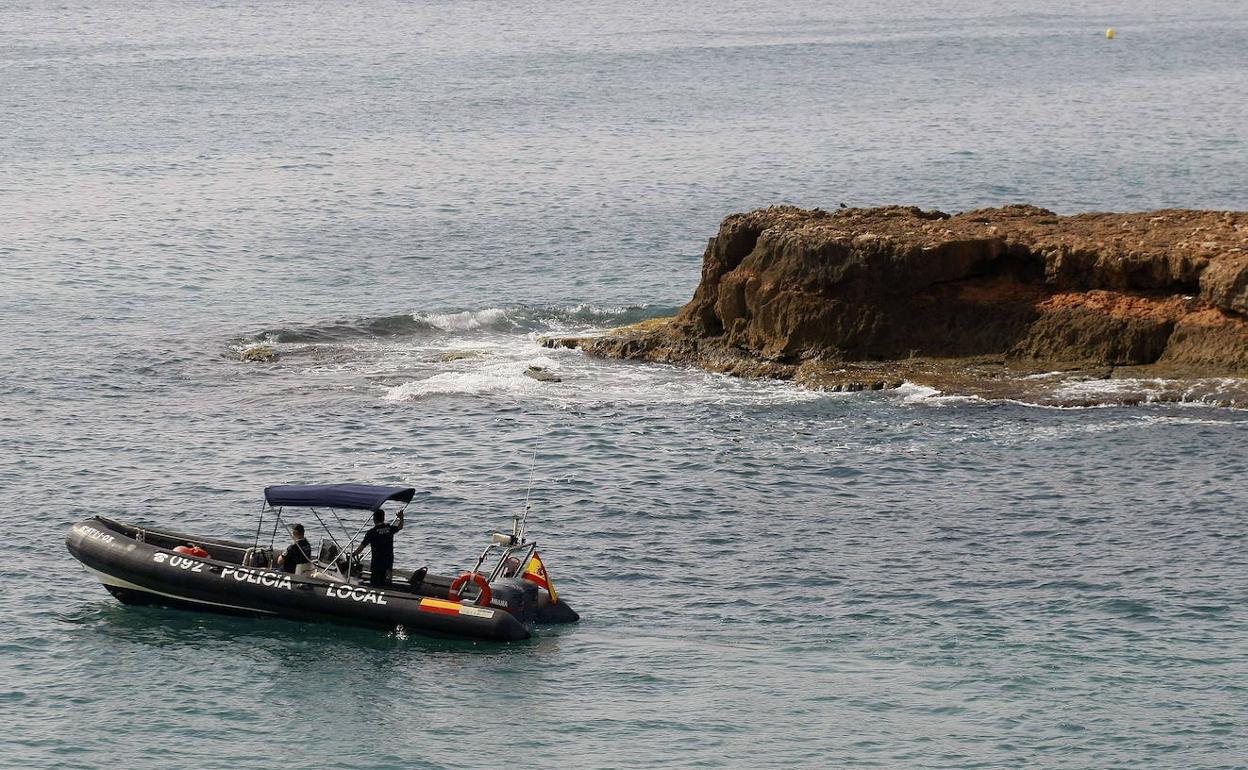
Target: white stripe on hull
(116,582)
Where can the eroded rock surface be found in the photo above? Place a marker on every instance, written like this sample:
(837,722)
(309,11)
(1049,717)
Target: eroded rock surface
(866,298)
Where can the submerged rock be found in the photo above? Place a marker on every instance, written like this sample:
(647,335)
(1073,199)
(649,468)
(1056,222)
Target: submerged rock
(973,302)
(542,374)
(259,354)
(459,355)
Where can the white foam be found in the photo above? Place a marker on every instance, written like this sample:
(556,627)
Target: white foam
(500,369)
(912,393)
(1100,393)
(1199,392)
(598,311)
(1149,389)
(468,320)
(502,349)
(454,383)
(587,319)
(267,341)
(477,378)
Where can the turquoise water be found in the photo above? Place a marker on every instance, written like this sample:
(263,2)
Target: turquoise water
(403,196)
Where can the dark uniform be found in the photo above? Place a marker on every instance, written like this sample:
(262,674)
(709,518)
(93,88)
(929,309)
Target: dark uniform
(298,552)
(381,539)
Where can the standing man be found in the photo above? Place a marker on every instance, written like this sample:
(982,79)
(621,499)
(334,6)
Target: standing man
(381,539)
(298,552)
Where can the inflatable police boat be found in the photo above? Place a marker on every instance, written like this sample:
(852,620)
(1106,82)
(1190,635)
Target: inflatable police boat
(144,565)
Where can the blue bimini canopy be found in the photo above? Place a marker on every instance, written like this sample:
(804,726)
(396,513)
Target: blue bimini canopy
(356,496)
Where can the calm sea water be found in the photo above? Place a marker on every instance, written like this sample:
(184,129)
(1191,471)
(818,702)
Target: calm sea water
(402,196)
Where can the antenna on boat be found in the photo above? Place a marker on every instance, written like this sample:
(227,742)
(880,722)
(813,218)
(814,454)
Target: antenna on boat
(519,520)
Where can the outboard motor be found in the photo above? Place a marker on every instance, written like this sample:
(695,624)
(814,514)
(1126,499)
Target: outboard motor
(518,597)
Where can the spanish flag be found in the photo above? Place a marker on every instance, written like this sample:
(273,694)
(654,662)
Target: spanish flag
(536,571)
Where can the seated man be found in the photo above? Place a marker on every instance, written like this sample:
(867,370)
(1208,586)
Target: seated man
(298,552)
(381,539)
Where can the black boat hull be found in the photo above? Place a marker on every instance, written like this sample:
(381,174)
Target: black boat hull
(138,572)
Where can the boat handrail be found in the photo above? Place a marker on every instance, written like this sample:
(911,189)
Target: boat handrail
(526,548)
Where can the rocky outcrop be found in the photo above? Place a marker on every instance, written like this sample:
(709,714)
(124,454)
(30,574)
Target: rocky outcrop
(259,354)
(812,294)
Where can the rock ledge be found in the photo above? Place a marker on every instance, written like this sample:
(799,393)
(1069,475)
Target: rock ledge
(1007,302)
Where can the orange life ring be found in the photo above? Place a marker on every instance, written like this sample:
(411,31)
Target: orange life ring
(475,577)
(191,550)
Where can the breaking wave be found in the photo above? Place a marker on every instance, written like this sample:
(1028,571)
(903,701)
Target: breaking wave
(1208,391)
(466,320)
(913,393)
(524,319)
(1222,392)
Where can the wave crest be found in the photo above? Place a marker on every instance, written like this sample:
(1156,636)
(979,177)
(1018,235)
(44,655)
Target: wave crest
(466,320)
(524,319)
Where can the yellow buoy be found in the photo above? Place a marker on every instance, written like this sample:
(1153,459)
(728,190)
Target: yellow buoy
(1109,34)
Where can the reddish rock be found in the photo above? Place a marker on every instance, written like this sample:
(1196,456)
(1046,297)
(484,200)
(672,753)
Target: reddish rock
(784,288)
